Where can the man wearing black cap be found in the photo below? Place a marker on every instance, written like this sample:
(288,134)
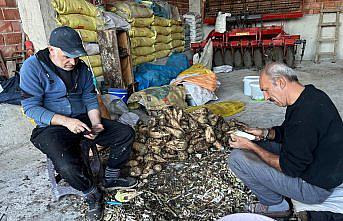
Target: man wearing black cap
(59,94)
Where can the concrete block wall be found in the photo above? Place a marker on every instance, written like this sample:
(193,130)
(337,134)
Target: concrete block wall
(10,28)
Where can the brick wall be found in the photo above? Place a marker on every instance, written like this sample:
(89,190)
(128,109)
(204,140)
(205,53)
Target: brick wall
(10,28)
(313,6)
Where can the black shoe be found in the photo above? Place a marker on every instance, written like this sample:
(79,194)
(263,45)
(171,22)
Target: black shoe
(120,183)
(95,205)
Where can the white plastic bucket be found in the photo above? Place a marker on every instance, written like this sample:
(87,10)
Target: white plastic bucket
(256,93)
(247,80)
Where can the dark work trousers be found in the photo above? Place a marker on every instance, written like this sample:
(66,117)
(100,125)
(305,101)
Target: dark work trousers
(63,148)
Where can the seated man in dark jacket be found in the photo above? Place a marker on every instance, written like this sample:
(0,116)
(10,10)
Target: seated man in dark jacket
(59,94)
(303,158)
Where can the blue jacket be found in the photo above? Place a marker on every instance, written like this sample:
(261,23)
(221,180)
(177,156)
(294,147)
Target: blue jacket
(45,94)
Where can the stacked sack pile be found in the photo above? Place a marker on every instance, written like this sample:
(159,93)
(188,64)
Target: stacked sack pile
(195,26)
(178,36)
(187,37)
(161,26)
(141,36)
(84,18)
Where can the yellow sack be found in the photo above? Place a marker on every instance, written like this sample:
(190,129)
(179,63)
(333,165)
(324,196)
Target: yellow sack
(198,74)
(130,10)
(161,30)
(141,42)
(159,21)
(82,7)
(175,22)
(98,71)
(161,54)
(141,32)
(77,21)
(142,59)
(88,36)
(141,51)
(95,60)
(163,39)
(142,22)
(178,36)
(177,29)
(179,49)
(162,46)
(177,43)
(224,109)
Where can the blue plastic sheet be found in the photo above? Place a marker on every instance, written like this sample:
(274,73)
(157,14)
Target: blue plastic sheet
(150,75)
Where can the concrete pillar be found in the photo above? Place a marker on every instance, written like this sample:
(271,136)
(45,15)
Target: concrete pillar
(38,20)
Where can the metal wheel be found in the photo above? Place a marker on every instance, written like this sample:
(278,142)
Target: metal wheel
(290,57)
(278,54)
(258,58)
(218,58)
(247,58)
(228,57)
(237,57)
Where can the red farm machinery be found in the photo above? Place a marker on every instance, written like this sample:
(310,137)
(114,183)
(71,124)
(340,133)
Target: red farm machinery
(248,42)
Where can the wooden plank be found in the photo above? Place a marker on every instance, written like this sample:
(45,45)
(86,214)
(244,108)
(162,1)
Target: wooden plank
(108,44)
(3,68)
(125,62)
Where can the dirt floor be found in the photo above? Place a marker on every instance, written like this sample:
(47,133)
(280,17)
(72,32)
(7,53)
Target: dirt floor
(24,187)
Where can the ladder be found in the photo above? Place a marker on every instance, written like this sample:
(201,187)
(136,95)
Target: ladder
(331,40)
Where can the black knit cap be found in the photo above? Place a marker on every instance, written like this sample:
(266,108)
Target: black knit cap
(68,40)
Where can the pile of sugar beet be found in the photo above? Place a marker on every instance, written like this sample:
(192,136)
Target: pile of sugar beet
(180,158)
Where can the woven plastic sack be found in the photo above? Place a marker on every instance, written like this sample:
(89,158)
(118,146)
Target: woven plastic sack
(163,39)
(88,36)
(131,10)
(161,54)
(177,29)
(82,7)
(157,98)
(178,36)
(224,108)
(92,48)
(198,74)
(97,71)
(177,43)
(141,51)
(141,32)
(161,30)
(142,59)
(179,49)
(175,22)
(141,42)
(142,22)
(159,21)
(77,21)
(94,60)
(175,13)
(162,46)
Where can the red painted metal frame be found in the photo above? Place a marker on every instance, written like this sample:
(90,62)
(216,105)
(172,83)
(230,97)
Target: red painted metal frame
(265,17)
(269,36)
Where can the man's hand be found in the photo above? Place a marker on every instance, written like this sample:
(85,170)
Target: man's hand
(268,157)
(93,133)
(240,142)
(259,133)
(76,126)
